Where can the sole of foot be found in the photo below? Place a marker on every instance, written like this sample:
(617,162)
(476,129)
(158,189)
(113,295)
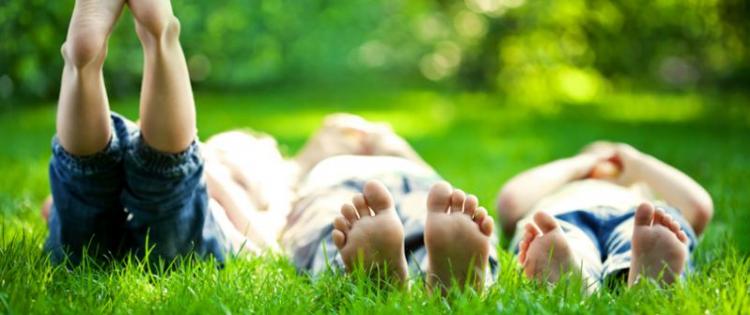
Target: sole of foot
(544,252)
(457,238)
(90,25)
(369,234)
(659,246)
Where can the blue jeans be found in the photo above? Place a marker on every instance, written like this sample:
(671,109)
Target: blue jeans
(130,198)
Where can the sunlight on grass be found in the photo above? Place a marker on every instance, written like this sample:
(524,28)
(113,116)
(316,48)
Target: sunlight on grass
(475,140)
(653,108)
(417,114)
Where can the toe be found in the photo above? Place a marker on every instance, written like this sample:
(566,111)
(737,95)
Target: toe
(531,229)
(660,217)
(673,226)
(529,235)
(471,204)
(522,254)
(349,212)
(341,224)
(682,237)
(644,215)
(339,238)
(487,226)
(485,222)
(377,196)
(361,205)
(545,222)
(480,215)
(458,197)
(440,197)
(457,201)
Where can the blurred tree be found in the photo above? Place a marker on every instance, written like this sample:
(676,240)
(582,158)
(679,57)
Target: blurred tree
(540,50)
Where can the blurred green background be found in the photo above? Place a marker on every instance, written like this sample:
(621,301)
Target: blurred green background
(534,51)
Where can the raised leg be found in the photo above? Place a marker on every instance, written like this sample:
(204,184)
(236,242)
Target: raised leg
(83,123)
(85,213)
(167,106)
(166,192)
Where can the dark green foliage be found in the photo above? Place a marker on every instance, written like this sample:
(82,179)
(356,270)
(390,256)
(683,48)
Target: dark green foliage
(538,50)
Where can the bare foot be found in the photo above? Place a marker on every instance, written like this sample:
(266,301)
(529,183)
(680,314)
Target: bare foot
(370,233)
(90,25)
(457,237)
(544,252)
(659,246)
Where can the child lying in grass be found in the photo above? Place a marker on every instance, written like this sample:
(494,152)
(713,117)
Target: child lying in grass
(595,213)
(114,184)
(357,194)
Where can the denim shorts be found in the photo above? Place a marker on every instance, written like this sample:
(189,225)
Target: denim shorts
(130,198)
(601,238)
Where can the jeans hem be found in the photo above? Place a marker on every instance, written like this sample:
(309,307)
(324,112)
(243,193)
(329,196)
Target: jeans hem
(87,165)
(163,164)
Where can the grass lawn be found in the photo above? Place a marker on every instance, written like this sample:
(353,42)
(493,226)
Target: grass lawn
(476,141)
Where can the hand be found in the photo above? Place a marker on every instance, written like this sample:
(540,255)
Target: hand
(601,155)
(629,159)
(617,162)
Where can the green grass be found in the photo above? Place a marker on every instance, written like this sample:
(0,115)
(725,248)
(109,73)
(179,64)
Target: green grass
(476,141)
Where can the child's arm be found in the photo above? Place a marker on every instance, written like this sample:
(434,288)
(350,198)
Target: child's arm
(674,186)
(520,194)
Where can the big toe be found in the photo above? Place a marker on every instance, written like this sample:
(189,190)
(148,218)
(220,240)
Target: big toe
(545,222)
(644,215)
(377,196)
(440,197)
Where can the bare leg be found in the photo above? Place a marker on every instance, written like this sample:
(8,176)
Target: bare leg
(167,106)
(83,110)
